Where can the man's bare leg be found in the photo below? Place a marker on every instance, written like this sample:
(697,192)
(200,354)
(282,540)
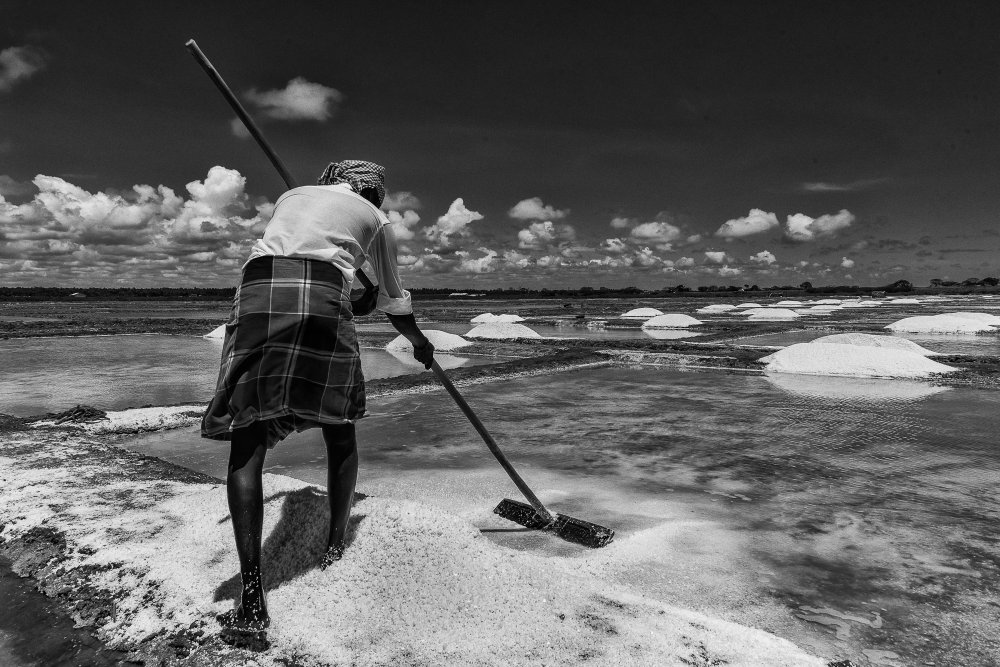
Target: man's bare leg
(342,475)
(245,491)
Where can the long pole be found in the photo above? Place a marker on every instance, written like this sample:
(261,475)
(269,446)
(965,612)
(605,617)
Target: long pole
(216,78)
(251,126)
(488,439)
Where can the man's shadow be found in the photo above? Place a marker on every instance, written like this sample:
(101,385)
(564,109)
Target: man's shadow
(297,543)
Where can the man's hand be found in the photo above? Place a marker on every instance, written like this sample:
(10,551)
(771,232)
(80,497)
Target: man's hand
(424,353)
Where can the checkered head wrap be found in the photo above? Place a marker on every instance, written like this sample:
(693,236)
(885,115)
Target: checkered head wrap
(359,174)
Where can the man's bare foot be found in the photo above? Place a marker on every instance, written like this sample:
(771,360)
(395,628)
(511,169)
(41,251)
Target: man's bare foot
(332,555)
(251,615)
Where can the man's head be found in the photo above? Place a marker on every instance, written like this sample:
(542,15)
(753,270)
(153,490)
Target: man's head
(366,178)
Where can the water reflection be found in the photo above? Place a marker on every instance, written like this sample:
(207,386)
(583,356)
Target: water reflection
(670,334)
(852,389)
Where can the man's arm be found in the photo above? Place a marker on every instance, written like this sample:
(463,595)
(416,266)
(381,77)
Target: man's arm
(423,349)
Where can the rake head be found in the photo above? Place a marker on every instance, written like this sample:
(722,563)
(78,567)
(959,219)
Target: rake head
(566,527)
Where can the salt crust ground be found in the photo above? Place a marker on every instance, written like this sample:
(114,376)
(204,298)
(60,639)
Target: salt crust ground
(670,321)
(852,361)
(502,330)
(416,587)
(441,340)
(943,323)
(135,420)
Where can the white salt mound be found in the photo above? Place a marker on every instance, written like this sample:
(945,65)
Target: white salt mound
(217,332)
(441,340)
(782,304)
(670,321)
(749,305)
(637,313)
(508,317)
(485,317)
(500,330)
(134,420)
(939,324)
(903,302)
(828,302)
(851,361)
(985,318)
(773,314)
(717,308)
(871,340)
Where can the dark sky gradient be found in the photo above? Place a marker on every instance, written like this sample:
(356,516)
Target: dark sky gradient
(700,111)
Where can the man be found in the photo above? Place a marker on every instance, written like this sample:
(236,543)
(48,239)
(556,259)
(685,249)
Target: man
(290,359)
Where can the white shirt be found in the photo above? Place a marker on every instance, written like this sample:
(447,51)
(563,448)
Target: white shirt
(333,224)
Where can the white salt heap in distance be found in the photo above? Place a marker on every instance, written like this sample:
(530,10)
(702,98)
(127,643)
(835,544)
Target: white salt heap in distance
(772,314)
(217,332)
(871,340)
(784,304)
(670,321)
(903,302)
(852,361)
(441,340)
(828,302)
(642,313)
(749,305)
(485,317)
(717,308)
(490,317)
(985,318)
(502,330)
(940,324)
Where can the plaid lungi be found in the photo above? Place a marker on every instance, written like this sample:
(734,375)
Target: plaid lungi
(290,356)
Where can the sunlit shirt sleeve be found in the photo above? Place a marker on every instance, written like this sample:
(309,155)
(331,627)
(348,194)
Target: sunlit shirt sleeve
(392,298)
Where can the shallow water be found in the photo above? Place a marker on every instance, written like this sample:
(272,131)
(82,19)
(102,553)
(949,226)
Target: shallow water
(41,375)
(856,518)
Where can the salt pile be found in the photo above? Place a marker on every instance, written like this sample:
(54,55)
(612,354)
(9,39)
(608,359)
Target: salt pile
(417,585)
(642,313)
(786,304)
(441,340)
(749,305)
(217,332)
(903,302)
(773,314)
(490,317)
(670,321)
(871,340)
(939,324)
(828,302)
(501,330)
(135,420)
(985,318)
(852,361)
(717,308)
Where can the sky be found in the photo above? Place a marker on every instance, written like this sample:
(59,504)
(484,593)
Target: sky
(526,144)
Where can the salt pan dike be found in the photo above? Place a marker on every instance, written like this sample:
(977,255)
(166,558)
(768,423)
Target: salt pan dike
(142,552)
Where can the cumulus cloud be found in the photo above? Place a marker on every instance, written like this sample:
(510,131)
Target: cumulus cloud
(801,227)
(542,235)
(299,100)
(754,222)
(716,257)
(403,224)
(661,234)
(19,63)
(623,223)
(615,245)
(534,209)
(763,257)
(853,186)
(846,263)
(728,271)
(401,201)
(146,233)
(451,227)
(485,264)
(684,262)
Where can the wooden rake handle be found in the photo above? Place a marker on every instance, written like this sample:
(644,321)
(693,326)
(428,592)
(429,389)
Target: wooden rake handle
(251,126)
(488,439)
